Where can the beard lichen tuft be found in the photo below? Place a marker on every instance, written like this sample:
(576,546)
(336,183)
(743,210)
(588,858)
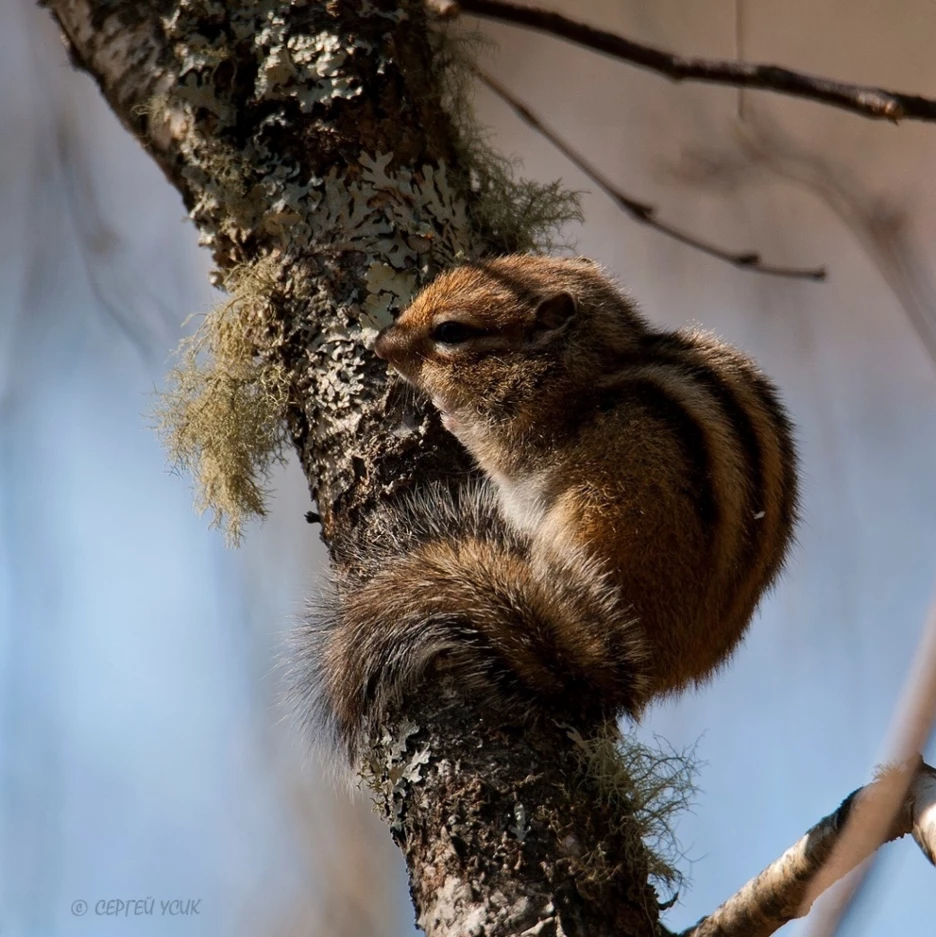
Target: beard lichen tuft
(222,413)
(648,784)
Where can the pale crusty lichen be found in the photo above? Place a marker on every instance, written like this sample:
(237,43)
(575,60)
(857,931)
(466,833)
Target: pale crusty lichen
(222,412)
(649,785)
(307,68)
(401,224)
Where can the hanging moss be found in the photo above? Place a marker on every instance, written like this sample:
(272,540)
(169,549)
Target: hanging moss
(513,214)
(649,785)
(221,416)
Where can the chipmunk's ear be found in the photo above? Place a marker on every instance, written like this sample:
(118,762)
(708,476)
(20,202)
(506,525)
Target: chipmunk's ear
(554,315)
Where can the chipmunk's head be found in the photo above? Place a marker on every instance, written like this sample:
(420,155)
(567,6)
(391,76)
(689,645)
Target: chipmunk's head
(490,340)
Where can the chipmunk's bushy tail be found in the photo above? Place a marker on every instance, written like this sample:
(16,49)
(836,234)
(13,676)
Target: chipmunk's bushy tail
(447,586)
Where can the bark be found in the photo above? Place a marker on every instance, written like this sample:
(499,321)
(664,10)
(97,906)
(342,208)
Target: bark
(503,833)
(311,137)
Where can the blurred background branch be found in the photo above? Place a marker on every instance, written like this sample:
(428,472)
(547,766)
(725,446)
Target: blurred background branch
(640,211)
(882,226)
(859,99)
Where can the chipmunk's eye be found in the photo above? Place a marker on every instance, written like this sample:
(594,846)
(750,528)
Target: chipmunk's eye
(454,333)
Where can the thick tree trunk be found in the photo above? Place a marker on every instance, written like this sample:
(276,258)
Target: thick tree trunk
(311,136)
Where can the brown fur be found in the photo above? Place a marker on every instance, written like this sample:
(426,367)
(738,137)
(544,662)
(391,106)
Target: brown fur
(647,487)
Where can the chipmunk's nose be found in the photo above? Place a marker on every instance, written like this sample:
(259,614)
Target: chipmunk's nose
(380,346)
(383,347)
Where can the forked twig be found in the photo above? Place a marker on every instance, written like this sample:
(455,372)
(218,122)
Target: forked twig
(637,210)
(901,800)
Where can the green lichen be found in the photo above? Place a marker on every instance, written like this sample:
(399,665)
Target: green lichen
(649,785)
(221,416)
(513,214)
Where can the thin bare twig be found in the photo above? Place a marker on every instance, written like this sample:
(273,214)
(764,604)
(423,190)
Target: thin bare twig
(786,889)
(640,211)
(875,103)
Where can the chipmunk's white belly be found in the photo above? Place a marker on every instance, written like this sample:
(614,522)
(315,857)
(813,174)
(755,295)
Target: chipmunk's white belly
(523,501)
(522,497)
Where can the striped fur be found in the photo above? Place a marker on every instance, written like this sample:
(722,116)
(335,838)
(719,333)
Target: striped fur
(645,486)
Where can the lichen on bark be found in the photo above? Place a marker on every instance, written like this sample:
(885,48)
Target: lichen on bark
(506,829)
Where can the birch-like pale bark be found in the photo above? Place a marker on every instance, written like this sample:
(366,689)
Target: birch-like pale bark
(311,136)
(787,888)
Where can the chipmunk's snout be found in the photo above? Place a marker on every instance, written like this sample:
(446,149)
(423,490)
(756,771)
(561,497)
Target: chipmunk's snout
(388,343)
(395,346)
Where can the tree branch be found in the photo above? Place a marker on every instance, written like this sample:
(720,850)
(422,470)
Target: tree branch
(787,888)
(875,103)
(902,800)
(640,211)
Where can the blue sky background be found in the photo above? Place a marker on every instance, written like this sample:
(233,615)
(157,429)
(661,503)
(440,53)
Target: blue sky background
(142,754)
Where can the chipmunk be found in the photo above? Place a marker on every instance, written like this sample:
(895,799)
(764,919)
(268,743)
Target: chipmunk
(640,498)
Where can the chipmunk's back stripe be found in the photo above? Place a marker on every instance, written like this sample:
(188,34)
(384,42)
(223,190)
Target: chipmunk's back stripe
(663,405)
(679,353)
(764,433)
(757,537)
(768,399)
